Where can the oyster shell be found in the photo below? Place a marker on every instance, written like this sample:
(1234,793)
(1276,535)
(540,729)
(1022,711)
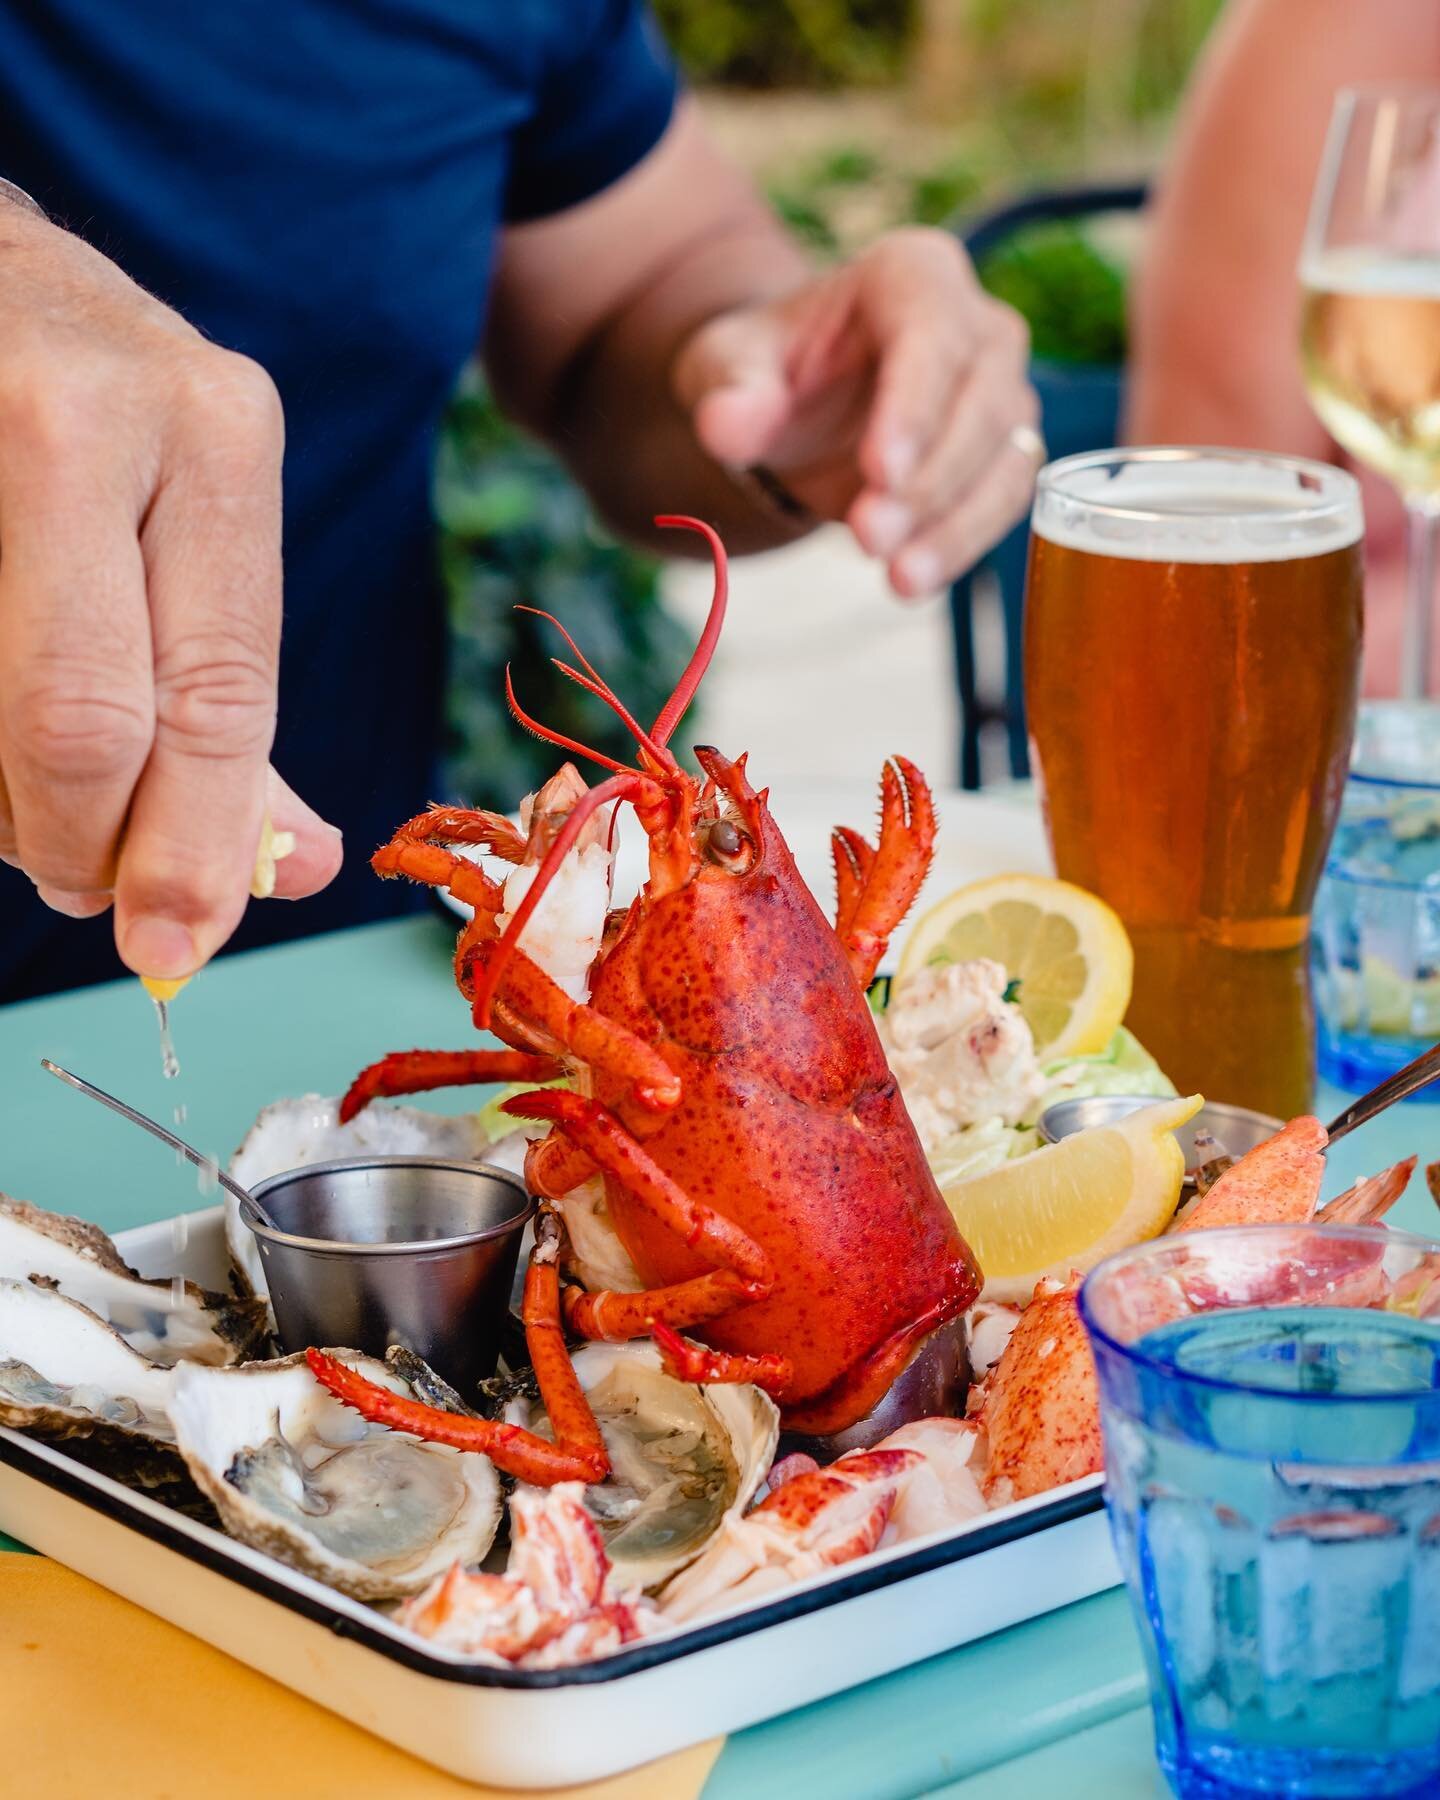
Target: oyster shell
(65,1374)
(682,1458)
(291,1133)
(295,1473)
(165,1321)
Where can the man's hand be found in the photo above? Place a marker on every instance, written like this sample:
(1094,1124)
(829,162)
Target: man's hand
(883,393)
(139,608)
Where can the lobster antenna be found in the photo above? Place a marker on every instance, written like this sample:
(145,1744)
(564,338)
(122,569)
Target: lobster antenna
(627,784)
(601,689)
(546,735)
(674,707)
(537,612)
(602,693)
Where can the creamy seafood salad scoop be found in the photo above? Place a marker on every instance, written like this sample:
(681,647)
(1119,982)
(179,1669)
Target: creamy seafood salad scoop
(965,1059)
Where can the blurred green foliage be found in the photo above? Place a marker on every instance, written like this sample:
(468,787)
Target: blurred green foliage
(787,43)
(805,199)
(516,530)
(1067,290)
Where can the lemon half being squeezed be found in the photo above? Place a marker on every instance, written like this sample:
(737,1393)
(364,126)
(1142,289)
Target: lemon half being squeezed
(274,847)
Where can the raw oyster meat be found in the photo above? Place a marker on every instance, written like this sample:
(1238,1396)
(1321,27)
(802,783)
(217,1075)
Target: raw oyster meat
(65,1375)
(166,1321)
(291,1133)
(295,1473)
(682,1458)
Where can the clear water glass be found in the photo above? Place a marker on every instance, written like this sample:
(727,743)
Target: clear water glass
(1270,1397)
(1375,934)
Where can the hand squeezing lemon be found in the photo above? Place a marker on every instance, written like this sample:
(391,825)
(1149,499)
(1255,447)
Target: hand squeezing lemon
(274,847)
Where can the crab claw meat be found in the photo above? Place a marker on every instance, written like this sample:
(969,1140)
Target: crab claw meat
(556,1604)
(810,1523)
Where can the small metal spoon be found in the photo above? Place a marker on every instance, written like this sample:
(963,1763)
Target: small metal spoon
(1406,1081)
(166,1136)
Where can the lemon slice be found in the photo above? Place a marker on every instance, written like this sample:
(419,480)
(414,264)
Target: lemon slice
(1071,1204)
(1066,948)
(274,847)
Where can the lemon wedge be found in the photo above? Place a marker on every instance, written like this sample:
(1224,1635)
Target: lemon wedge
(1069,1205)
(163,990)
(1067,950)
(274,847)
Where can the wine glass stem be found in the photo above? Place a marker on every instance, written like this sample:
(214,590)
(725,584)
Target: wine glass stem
(1423,519)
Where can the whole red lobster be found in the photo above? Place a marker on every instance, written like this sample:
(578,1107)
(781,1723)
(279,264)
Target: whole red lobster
(759,1164)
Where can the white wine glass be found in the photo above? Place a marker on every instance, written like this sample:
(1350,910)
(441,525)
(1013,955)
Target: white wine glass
(1370,337)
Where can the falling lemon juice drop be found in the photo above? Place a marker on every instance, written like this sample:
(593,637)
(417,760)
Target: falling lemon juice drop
(169,1062)
(162,993)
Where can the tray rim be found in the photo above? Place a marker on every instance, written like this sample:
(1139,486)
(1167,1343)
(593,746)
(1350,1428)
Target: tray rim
(201,1544)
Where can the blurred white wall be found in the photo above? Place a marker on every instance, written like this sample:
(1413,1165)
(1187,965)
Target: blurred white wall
(822,673)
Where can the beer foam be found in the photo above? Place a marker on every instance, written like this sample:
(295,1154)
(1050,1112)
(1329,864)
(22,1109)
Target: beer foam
(1197,509)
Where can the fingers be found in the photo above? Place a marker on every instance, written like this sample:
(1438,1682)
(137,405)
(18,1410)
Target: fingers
(315,860)
(211,544)
(76,700)
(74,906)
(927,320)
(956,540)
(950,389)
(731,377)
(986,405)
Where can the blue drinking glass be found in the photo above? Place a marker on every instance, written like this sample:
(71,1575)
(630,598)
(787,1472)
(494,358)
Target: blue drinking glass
(1375,934)
(1270,1398)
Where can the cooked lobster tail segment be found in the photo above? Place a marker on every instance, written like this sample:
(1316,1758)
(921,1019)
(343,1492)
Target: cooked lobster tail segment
(759,1167)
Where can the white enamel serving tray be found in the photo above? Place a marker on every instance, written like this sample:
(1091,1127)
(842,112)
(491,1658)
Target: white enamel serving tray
(546,1728)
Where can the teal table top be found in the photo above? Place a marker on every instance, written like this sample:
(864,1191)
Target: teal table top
(1053,1705)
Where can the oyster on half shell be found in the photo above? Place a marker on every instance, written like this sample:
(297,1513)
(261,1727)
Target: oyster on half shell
(682,1458)
(291,1133)
(66,1375)
(295,1473)
(163,1321)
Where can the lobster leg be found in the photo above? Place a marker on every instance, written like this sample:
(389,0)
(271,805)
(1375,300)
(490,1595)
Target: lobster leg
(588,1036)
(433,866)
(464,825)
(418,1071)
(889,879)
(861,1389)
(578,1452)
(700,1364)
(614,1317)
(743,1273)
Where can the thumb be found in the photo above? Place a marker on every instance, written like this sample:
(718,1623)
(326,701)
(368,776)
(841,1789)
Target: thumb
(730,376)
(314,860)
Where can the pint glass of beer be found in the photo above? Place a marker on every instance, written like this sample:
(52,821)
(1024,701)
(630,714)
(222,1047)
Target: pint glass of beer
(1192,659)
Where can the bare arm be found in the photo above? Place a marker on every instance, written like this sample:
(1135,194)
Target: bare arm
(590,308)
(1216,312)
(667,332)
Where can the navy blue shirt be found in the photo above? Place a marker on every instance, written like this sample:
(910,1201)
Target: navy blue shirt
(321,184)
